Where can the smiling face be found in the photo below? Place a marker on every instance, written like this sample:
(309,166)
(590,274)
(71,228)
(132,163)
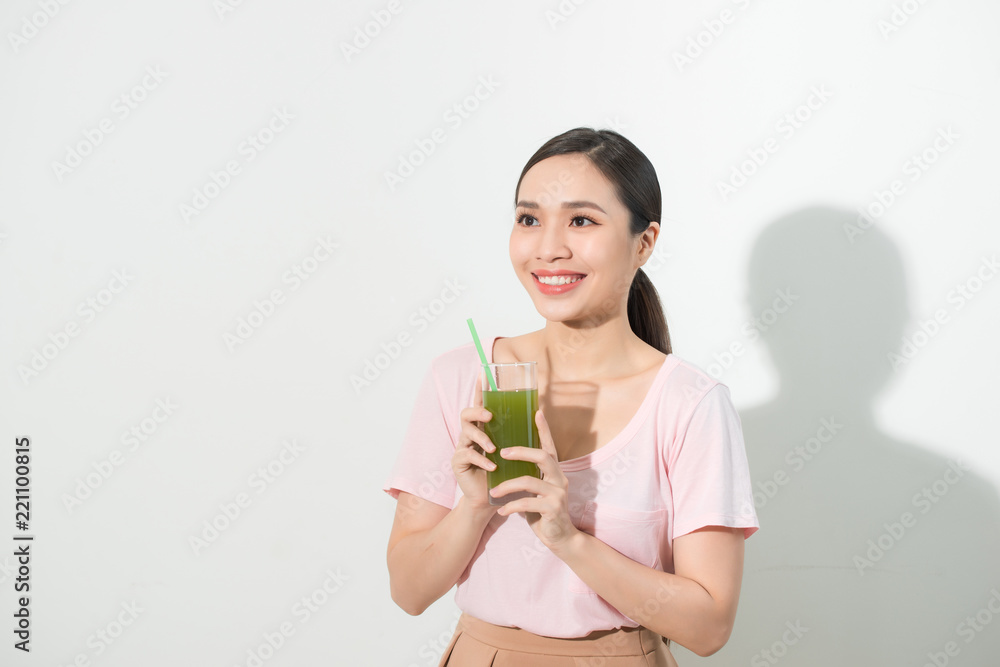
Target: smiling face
(570,226)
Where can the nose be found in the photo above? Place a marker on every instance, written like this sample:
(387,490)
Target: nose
(552,244)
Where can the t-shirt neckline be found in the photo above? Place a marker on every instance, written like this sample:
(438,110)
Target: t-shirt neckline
(614,445)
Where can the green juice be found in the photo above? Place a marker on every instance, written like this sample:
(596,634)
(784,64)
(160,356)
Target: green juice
(512,424)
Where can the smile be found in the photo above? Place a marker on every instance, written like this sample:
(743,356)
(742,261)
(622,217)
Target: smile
(557,284)
(558,280)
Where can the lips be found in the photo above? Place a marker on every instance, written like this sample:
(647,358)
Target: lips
(559,279)
(563,281)
(558,272)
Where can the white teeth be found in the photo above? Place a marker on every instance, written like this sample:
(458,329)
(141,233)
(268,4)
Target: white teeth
(558,280)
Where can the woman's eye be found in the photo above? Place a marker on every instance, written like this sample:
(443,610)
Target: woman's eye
(525,219)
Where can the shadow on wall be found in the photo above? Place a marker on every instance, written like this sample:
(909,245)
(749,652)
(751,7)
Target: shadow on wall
(872,551)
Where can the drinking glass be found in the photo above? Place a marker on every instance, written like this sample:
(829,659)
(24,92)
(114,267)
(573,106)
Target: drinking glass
(513,405)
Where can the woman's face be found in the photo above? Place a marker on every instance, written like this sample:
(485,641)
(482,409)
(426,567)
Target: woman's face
(569,221)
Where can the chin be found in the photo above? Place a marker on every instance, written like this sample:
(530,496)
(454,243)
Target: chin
(558,314)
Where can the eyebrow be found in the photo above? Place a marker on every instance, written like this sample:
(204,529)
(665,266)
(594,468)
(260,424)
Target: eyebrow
(565,204)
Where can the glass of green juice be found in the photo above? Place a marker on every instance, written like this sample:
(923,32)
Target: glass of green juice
(513,405)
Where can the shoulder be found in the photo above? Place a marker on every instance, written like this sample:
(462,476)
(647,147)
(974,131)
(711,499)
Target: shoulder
(687,385)
(697,409)
(449,380)
(517,348)
(454,364)
(458,355)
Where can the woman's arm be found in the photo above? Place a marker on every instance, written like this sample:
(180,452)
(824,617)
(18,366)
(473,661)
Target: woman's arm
(695,607)
(429,548)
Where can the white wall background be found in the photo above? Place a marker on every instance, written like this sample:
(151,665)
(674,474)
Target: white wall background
(64,233)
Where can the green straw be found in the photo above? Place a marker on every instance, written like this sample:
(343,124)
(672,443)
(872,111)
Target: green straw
(482,355)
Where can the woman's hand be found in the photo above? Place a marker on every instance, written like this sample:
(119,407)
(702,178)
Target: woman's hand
(468,463)
(548,512)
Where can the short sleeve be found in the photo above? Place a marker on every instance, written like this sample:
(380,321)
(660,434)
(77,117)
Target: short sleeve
(423,464)
(708,471)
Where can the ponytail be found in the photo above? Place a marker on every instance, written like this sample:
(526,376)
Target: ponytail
(645,313)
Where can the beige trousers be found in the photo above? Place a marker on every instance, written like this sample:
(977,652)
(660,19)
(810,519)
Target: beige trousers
(477,643)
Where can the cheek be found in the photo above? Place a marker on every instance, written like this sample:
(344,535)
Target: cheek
(610,263)
(518,250)
(601,255)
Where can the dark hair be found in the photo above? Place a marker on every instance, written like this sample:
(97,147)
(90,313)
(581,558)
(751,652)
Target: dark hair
(637,187)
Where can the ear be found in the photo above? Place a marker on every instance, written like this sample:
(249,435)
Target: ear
(647,241)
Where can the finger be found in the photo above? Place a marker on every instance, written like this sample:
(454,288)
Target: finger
(475,458)
(522,483)
(475,415)
(477,436)
(477,398)
(545,435)
(481,414)
(547,465)
(520,505)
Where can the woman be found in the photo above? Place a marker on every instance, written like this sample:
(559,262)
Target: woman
(636,529)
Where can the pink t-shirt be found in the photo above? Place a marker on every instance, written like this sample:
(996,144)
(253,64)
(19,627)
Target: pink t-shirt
(680,464)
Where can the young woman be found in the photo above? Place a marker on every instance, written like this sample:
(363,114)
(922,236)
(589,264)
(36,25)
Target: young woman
(635,530)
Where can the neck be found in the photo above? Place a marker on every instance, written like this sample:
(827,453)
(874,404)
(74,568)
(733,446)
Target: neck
(572,352)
